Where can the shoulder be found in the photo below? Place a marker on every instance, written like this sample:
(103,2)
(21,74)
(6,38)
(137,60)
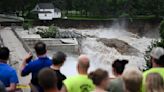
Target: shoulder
(10,69)
(47,59)
(116,82)
(149,71)
(69,80)
(62,75)
(154,70)
(32,63)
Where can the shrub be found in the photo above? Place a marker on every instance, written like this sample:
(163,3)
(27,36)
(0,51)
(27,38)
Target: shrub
(155,43)
(162,29)
(49,33)
(124,15)
(27,25)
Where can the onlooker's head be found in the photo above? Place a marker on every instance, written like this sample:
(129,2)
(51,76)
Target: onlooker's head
(40,48)
(160,61)
(100,78)
(132,78)
(4,54)
(83,64)
(155,54)
(154,83)
(47,79)
(58,58)
(119,66)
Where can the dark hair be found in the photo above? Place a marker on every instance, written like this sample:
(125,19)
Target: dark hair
(47,78)
(4,53)
(119,65)
(160,61)
(98,76)
(58,58)
(40,48)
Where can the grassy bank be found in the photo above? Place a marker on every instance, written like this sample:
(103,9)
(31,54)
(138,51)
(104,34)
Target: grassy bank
(139,17)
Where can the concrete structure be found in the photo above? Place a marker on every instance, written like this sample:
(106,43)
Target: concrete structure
(65,45)
(47,11)
(68,45)
(10,18)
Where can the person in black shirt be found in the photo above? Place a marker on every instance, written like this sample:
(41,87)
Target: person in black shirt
(58,60)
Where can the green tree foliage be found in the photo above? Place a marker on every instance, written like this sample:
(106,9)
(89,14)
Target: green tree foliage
(162,29)
(27,25)
(91,7)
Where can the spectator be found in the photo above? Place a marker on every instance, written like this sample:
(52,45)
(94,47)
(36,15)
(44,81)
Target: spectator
(154,83)
(116,85)
(8,75)
(81,82)
(48,80)
(100,79)
(34,66)
(118,67)
(157,60)
(2,87)
(132,78)
(58,60)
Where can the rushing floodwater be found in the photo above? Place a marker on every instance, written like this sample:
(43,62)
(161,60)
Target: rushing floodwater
(102,56)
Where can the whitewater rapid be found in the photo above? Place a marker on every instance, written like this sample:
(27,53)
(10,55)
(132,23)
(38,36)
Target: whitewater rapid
(102,56)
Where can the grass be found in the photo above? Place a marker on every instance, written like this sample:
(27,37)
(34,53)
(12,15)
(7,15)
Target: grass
(146,17)
(73,16)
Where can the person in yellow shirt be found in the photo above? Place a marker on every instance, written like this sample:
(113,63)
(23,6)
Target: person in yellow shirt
(80,82)
(157,60)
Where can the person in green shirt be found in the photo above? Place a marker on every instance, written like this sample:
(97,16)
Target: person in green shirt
(157,60)
(80,82)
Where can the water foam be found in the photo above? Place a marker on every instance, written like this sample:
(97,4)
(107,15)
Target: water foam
(102,56)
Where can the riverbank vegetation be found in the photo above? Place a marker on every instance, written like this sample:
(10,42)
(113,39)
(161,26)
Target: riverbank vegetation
(156,43)
(89,9)
(48,33)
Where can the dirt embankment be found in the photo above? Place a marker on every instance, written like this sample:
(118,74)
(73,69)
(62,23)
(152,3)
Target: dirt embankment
(144,27)
(121,46)
(141,27)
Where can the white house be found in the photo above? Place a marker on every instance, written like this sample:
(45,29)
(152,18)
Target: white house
(47,11)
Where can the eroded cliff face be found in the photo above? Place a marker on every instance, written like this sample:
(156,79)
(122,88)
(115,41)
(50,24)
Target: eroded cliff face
(148,29)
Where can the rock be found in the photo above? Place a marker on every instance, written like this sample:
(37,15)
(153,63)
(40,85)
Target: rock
(121,46)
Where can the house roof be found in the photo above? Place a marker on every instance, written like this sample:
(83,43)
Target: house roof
(46,6)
